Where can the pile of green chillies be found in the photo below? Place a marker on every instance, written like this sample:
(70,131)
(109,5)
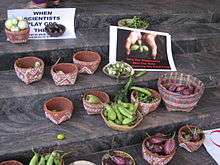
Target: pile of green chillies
(121,113)
(53,158)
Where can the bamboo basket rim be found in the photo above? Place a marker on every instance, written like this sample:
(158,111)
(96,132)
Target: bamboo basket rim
(124,128)
(120,153)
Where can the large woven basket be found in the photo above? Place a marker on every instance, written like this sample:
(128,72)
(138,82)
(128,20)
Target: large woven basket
(17,37)
(177,102)
(153,158)
(123,128)
(189,146)
(146,108)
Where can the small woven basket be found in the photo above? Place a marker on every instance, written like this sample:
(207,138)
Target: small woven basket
(146,108)
(87,61)
(120,154)
(95,108)
(26,72)
(177,102)
(11,162)
(123,128)
(17,37)
(64,73)
(189,146)
(153,158)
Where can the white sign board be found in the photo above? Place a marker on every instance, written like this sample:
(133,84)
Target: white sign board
(38,18)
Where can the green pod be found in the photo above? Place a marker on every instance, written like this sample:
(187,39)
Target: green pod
(143,90)
(51,158)
(47,157)
(34,160)
(105,113)
(42,161)
(117,121)
(135,47)
(108,107)
(118,114)
(111,115)
(125,112)
(127,121)
(57,161)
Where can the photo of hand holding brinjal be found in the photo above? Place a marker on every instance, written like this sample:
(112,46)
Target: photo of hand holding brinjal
(143,43)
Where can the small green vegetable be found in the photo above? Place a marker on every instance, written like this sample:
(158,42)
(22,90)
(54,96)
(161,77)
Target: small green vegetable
(111,115)
(34,160)
(134,47)
(93,99)
(127,121)
(60,136)
(142,90)
(125,112)
(42,160)
(51,158)
(119,116)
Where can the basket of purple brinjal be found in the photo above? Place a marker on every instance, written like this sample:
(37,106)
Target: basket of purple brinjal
(179,91)
(191,137)
(158,149)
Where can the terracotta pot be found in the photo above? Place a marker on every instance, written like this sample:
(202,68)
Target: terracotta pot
(64,73)
(17,37)
(87,61)
(146,108)
(120,154)
(154,158)
(95,108)
(189,146)
(58,109)
(27,70)
(11,162)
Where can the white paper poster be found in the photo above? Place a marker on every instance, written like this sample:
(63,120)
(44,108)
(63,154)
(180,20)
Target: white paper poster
(212,143)
(142,49)
(38,18)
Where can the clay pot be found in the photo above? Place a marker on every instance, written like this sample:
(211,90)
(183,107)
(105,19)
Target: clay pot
(17,37)
(87,61)
(29,69)
(11,162)
(154,158)
(146,108)
(58,109)
(95,108)
(39,3)
(64,73)
(188,145)
(120,154)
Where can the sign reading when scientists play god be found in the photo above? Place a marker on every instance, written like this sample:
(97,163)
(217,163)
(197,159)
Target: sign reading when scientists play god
(142,49)
(39,18)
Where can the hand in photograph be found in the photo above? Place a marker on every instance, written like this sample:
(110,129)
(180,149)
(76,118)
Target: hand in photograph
(149,40)
(131,40)
(145,41)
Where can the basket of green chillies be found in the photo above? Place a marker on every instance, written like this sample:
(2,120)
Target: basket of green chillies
(147,99)
(53,158)
(121,116)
